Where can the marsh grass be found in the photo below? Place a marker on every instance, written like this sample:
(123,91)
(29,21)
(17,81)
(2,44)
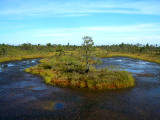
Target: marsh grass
(70,72)
(26,56)
(147,57)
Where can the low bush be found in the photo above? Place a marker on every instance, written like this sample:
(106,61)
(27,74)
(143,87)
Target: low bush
(70,71)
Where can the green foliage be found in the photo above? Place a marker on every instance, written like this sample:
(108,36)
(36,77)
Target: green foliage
(3,51)
(69,70)
(87,45)
(130,48)
(27,50)
(60,49)
(47,79)
(65,63)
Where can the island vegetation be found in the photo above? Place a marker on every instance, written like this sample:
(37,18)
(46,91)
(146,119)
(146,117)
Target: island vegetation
(75,69)
(73,66)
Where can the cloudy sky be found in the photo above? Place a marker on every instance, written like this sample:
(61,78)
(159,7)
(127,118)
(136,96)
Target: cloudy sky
(63,21)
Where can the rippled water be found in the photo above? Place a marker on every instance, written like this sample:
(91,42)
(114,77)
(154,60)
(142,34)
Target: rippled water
(25,96)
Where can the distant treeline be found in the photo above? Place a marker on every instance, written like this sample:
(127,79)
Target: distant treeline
(11,50)
(130,48)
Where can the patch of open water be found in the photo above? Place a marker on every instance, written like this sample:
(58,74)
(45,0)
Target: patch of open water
(25,96)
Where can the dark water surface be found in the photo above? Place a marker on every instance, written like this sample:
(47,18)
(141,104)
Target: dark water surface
(24,96)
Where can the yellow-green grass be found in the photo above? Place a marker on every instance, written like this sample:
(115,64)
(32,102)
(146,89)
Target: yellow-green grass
(146,57)
(69,71)
(98,79)
(26,56)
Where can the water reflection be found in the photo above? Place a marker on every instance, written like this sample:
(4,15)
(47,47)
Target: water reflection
(25,96)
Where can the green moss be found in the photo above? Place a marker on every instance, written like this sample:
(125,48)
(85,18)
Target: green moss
(82,84)
(64,72)
(47,79)
(27,70)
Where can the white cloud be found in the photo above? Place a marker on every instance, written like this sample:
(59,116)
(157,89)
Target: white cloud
(151,27)
(52,35)
(47,8)
(142,33)
(102,35)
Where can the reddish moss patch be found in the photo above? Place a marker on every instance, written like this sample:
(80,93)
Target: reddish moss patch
(51,77)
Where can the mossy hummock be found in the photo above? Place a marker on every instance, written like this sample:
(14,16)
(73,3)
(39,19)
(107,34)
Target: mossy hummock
(69,71)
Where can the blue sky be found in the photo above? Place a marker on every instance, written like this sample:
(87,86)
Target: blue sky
(62,21)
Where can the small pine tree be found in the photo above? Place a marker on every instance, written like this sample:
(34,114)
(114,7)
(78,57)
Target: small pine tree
(87,45)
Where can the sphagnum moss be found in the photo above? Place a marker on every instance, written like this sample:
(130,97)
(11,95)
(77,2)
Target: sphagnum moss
(62,72)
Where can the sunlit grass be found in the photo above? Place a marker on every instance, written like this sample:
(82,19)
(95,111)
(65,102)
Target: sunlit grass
(146,57)
(93,80)
(69,76)
(26,56)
